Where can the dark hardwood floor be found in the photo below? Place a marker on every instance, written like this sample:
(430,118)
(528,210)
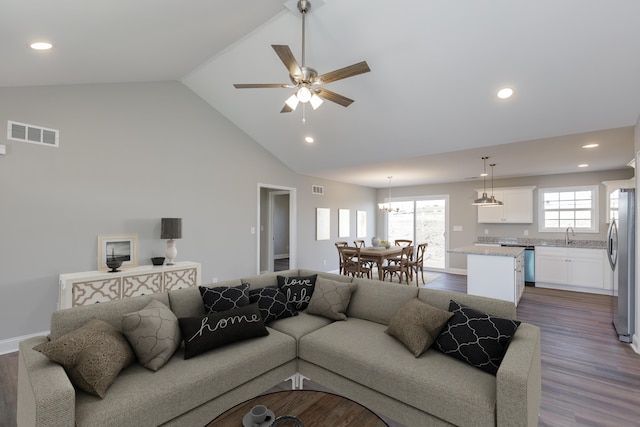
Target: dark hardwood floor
(589,378)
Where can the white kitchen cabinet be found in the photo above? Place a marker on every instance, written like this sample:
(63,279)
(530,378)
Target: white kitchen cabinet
(580,269)
(517,207)
(91,287)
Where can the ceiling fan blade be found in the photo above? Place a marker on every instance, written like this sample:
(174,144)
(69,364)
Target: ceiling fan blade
(260,85)
(343,73)
(333,97)
(286,109)
(287,58)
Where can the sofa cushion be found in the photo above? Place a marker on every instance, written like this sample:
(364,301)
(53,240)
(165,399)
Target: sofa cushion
(298,289)
(218,329)
(441,299)
(476,338)
(145,398)
(330,299)
(417,325)
(300,325)
(435,383)
(378,301)
(268,279)
(154,334)
(272,302)
(70,319)
(92,355)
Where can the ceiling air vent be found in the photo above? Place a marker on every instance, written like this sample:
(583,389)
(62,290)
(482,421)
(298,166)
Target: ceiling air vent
(32,134)
(317,189)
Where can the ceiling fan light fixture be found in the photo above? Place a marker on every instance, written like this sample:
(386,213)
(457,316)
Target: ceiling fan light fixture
(304,94)
(292,101)
(315,101)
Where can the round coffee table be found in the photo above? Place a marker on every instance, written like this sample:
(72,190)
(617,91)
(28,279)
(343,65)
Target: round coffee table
(313,408)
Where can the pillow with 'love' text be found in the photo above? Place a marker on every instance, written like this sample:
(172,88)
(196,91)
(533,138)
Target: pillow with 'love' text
(298,290)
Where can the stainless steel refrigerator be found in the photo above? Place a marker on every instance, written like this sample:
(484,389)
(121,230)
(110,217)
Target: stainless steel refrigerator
(621,254)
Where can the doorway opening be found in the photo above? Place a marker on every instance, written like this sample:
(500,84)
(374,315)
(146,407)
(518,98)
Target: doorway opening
(277,228)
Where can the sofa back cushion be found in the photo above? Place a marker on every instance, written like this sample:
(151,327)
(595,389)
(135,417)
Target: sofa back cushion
(441,299)
(378,301)
(268,279)
(70,319)
(187,302)
(325,275)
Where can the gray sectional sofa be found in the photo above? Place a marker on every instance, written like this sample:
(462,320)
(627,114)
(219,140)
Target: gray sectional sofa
(353,357)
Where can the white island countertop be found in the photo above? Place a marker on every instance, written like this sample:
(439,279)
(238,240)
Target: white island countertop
(488,250)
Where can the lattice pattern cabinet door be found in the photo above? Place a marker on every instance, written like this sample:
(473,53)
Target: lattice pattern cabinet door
(179,279)
(142,284)
(92,292)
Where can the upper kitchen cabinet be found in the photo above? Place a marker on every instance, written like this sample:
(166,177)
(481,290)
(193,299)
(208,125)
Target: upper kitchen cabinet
(517,207)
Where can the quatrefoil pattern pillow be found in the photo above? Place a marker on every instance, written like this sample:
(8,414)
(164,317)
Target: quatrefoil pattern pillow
(223,298)
(273,304)
(475,337)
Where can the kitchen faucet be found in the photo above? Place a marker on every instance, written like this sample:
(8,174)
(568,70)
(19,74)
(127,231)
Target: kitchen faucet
(566,235)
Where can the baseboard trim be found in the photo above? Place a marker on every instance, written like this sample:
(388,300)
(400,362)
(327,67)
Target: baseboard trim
(457,271)
(10,345)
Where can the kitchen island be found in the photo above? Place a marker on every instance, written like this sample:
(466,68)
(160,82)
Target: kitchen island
(494,271)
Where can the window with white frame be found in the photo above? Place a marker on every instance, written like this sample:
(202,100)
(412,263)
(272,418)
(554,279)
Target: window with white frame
(559,208)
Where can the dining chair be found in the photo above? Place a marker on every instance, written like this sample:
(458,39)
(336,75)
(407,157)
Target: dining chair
(400,267)
(359,243)
(417,265)
(338,246)
(399,242)
(352,264)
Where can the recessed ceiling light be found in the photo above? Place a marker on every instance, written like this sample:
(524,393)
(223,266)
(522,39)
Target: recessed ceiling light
(591,146)
(505,92)
(584,165)
(309,139)
(41,46)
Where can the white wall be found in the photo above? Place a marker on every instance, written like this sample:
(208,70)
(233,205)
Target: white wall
(129,155)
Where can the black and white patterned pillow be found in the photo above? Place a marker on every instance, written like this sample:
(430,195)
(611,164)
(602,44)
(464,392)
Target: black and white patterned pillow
(298,290)
(475,337)
(224,298)
(215,330)
(273,303)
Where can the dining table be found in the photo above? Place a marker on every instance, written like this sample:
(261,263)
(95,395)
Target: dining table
(378,254)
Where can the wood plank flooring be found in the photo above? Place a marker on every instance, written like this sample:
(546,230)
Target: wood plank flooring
(589,378)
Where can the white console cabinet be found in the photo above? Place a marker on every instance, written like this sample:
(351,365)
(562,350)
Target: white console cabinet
(91,287)
(579,269)
(517,206)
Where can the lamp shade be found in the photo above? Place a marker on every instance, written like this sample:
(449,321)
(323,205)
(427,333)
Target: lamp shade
(171,228)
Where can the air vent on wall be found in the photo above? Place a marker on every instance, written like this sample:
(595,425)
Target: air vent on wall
(317,189)
(32,134)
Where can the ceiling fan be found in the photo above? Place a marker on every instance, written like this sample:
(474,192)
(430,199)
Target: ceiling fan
(306,79)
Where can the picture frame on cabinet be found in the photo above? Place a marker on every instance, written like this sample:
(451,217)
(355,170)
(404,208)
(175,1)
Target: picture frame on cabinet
(123,247)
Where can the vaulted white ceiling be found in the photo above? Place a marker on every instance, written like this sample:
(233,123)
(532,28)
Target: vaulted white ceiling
(426,112)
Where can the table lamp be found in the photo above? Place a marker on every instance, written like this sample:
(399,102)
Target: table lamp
(171,229)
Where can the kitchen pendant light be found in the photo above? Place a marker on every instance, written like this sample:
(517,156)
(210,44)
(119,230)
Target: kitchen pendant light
(494,202)
(387,205)
(485,200)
